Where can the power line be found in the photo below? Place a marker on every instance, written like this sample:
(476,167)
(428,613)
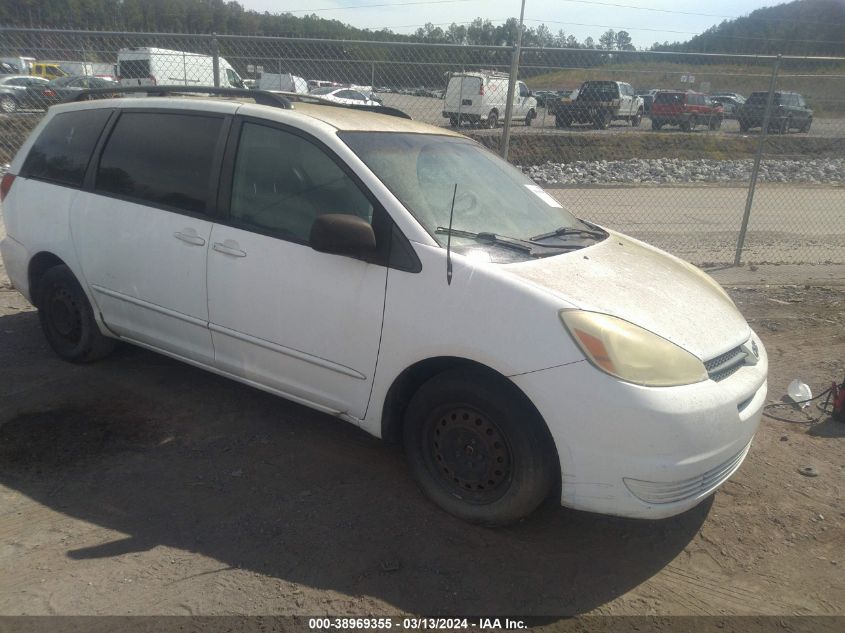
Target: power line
(705,15)
(380,5)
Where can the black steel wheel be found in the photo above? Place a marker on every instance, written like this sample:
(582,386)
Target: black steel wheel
(468,452)
(478,448)
(492,119)
(67,319)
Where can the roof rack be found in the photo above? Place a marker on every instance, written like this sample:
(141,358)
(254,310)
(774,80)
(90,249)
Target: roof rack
(261,97)
(317,100)
(276,99)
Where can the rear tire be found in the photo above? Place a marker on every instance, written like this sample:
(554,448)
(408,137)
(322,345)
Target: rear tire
(636,120)
(529,118)
(602,121)
(8,104)
(715,123)
(656,125)
(492,119)
(806,127)
(453,121)
(478,449)
(67,319)
(743,126)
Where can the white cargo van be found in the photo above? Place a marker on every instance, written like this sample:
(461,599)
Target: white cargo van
(143,66)
(283,82)
(481,97)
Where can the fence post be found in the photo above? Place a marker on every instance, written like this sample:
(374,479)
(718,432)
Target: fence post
(215,59)
(755,170)
(506,133)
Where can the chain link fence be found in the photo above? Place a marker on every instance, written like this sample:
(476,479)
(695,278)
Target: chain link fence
(721,159)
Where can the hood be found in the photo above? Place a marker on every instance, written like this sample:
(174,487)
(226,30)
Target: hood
(628,279)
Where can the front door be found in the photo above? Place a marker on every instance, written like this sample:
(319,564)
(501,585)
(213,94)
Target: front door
(283,315)
(142,236)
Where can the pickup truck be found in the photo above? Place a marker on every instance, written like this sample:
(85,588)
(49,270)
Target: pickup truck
(599,103)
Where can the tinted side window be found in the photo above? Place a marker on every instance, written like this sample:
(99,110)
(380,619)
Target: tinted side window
(62,151)
(163,158)
(282,182)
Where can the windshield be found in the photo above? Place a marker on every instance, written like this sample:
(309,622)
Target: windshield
(669,97)
(492,196)
(761,97)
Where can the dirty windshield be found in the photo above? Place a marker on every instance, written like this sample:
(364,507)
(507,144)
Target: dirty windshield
(492,196)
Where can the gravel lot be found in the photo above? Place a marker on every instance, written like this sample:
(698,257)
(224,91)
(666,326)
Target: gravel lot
(672,171)
(140,485)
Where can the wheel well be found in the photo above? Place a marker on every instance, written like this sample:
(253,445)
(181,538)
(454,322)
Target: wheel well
(411,379)
(38,265)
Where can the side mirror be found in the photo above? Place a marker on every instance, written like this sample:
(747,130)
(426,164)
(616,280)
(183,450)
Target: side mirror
(342,234)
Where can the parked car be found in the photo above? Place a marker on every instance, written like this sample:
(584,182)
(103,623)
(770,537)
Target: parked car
(25,92)
(480,98)
(66,87)
(344,95)
(8,69)
(521,350)
(730,104)
(685,109)
(599,103)
(789,112)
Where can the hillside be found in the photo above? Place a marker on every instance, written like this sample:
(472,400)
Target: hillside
(802,27)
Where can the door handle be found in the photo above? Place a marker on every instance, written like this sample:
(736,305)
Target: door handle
(229,248)
(189,238)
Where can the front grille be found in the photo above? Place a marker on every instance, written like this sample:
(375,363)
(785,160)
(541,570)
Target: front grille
(726,364)
(674,491)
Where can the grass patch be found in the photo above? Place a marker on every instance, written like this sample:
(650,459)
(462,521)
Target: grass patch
(566,148)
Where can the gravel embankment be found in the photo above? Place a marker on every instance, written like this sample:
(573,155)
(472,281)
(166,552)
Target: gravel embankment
(669,170)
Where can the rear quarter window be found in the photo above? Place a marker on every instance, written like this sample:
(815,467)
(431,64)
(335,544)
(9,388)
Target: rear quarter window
(63,149)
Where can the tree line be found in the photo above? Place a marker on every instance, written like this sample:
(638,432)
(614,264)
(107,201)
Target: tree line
(230,17)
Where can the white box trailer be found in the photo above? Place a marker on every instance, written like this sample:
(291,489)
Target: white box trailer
(147,66)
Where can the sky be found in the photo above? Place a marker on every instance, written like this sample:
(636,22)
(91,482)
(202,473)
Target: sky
(653,21)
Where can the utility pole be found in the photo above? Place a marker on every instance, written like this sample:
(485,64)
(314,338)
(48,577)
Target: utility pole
(506,133)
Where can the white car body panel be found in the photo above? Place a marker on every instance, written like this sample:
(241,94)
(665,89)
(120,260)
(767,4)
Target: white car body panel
(289,317)
(125,250)
(463,96)
(180,68)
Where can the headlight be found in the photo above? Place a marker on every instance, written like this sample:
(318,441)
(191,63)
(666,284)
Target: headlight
(630,352)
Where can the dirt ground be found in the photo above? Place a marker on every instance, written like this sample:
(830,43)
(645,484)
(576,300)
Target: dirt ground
(139,485)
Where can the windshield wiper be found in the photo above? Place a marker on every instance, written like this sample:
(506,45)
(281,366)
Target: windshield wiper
(491,238)
(570,230)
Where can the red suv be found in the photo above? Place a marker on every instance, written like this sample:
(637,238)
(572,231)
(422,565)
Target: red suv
(685,109)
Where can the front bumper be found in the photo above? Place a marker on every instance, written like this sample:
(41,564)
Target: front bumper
(646,452)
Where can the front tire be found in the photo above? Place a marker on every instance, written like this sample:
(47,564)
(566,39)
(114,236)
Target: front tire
(492,119)
(806,127)
(529,118)
(67,319)
(478,449)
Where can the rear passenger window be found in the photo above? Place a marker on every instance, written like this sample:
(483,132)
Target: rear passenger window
(159,157)
(282,182)
(63,149)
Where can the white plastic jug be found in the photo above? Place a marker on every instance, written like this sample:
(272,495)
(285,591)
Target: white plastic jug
(799,391)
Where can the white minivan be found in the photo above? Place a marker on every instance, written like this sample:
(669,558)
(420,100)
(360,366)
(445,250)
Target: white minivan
(480,98)
(149,66)
(395,275)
